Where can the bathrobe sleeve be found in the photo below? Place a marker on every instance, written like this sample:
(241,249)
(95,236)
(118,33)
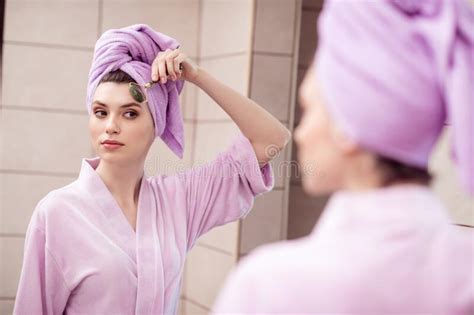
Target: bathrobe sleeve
(42,288)
(223,190)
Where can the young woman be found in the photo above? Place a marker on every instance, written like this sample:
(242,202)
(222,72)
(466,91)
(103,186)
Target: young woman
(114,241)
(387,76)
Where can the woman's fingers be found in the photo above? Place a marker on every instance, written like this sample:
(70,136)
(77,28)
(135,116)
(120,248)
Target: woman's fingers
(161,66)
(165,64)
(170,64)
(177,68)
(188,69)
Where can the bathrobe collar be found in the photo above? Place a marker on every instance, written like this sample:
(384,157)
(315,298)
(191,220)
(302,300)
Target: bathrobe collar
(382,210)
(142,246)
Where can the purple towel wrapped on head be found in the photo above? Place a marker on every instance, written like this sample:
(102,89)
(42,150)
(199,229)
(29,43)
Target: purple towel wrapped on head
(132,49)
(393,74)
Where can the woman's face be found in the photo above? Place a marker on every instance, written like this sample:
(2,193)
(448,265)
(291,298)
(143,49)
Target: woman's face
(321,157)
(116,116)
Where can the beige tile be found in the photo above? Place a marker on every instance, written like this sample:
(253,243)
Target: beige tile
(308,37)
(60,22)
(232,71)
(223,20)
(206,271)
(271,84)
(299,169)
(313,4)
(175,18)
(295,169)
(19,196)
(275,26)
(303,212)
(45,77)
(10,268)
(213,138)
(6,306)
(446,183)
(42,141)
(299,79)
(161,160)
(223,237)
(189,101)
(282,167)
(264,223)
(207,109)
(181,307)
(192,308)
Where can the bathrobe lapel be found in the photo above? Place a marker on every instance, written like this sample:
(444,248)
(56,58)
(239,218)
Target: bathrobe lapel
(142,247)
(150,286)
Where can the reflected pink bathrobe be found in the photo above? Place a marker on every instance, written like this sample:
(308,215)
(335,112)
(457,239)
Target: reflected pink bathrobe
(83,257)
(386,251)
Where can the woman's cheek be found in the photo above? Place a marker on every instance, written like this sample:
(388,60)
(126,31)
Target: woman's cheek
(303,132)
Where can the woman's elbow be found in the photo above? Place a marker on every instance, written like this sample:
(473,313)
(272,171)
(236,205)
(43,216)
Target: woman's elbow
(270,150)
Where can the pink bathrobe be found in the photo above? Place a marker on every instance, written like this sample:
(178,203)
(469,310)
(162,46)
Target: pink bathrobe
(83,257)
(386,251)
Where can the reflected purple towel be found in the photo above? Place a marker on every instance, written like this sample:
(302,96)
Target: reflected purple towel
(394,72)
(133,49)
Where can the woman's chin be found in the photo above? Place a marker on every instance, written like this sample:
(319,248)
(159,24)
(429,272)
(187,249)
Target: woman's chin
(317,186)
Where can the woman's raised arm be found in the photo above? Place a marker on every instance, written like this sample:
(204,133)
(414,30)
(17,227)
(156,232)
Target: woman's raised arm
(266,134)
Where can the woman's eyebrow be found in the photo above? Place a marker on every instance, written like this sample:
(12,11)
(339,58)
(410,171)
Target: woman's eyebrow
(125,105)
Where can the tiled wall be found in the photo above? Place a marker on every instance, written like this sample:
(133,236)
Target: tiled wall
(303,210)
(273,85)
(262,66)
(225,29)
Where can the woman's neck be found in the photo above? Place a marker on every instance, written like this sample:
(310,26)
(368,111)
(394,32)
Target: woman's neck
(123,182)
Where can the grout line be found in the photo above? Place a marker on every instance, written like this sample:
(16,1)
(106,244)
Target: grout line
(199,30)
(37,173)
(187,299)
(272,53)
(291,113)
(219,250)
(100,18)
(249,95)
(222,56)
(196,103)
(223,120)
(45,110)
(216,121)
(7,298)
(46,45)
(13,235)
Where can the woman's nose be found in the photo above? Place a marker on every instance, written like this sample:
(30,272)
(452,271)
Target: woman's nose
(112,125)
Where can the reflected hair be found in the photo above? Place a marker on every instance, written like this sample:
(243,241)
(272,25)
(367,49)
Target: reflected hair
(395,172)
(117,76)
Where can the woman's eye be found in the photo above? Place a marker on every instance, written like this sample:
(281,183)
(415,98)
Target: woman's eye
(98,113)
(102,113)
(133,114)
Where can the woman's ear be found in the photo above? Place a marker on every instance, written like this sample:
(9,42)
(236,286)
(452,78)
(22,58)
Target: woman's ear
(344,143)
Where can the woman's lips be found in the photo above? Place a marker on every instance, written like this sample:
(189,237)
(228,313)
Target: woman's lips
(111,146)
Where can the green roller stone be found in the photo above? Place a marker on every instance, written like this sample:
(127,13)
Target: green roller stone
(136,94)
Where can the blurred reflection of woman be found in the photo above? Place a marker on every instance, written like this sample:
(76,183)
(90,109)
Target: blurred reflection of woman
(387,76)
(114,241)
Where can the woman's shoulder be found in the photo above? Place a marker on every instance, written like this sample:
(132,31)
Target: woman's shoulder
(55,201)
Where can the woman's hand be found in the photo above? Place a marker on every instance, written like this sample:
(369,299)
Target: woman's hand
(173,65)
